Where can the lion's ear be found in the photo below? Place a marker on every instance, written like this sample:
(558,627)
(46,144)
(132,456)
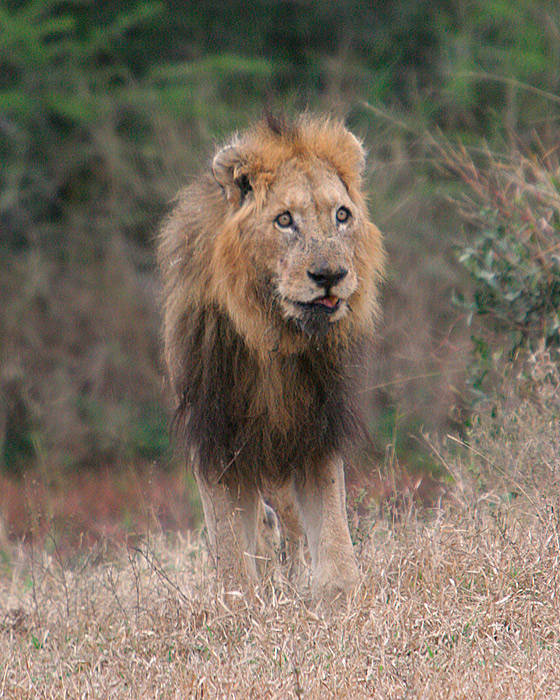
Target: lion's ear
(230,172)
(360,154)
(347,154)
(351,168)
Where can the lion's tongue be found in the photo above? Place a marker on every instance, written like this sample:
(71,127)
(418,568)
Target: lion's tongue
(329,302)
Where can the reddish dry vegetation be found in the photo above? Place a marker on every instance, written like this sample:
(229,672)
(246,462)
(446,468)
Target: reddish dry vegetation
(80,510)
(83,509)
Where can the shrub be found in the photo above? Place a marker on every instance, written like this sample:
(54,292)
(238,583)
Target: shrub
(513,257)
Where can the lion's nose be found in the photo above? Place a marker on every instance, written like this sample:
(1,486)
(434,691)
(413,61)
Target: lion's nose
(327,278)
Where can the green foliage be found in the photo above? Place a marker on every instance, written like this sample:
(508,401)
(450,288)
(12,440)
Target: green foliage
(514,257)
(60,83)
(514,287)
(17,446)
(85,87)
(221,88)
(150,436)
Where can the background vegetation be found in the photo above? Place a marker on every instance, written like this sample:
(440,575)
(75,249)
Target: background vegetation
(107,108)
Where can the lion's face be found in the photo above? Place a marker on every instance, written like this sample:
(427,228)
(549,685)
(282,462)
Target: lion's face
(304,241)
(296,255)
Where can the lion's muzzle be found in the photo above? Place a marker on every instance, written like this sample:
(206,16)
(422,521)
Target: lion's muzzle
(326,277)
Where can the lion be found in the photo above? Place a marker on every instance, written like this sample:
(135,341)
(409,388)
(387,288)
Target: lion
(271,272)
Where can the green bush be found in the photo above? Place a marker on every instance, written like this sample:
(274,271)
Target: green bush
(58,87)
(513,258)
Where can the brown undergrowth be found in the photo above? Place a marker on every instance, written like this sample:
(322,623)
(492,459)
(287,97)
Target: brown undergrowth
(459,602)
(70,513)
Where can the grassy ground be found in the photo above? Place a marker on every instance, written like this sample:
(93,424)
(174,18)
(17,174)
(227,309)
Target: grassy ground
(459,602)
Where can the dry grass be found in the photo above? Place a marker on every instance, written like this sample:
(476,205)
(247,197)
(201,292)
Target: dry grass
(460,603)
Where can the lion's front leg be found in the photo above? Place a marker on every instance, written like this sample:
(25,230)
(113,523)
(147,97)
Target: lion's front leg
(292,551)
(321,499)
(231,515)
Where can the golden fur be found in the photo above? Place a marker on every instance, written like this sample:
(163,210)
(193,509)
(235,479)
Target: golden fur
(271,271)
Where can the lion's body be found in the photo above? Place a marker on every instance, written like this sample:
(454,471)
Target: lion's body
(271,269)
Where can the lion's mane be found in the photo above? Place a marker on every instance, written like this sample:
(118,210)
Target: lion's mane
(256,397)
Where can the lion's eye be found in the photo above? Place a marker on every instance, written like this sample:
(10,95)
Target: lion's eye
(284,220)
(342,215)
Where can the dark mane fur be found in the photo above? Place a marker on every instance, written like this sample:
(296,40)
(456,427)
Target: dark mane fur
(279,124)
(215,412)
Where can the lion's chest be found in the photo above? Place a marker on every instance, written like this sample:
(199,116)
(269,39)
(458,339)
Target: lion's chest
(262,419)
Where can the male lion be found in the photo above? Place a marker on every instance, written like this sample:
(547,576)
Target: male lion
(271,270)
